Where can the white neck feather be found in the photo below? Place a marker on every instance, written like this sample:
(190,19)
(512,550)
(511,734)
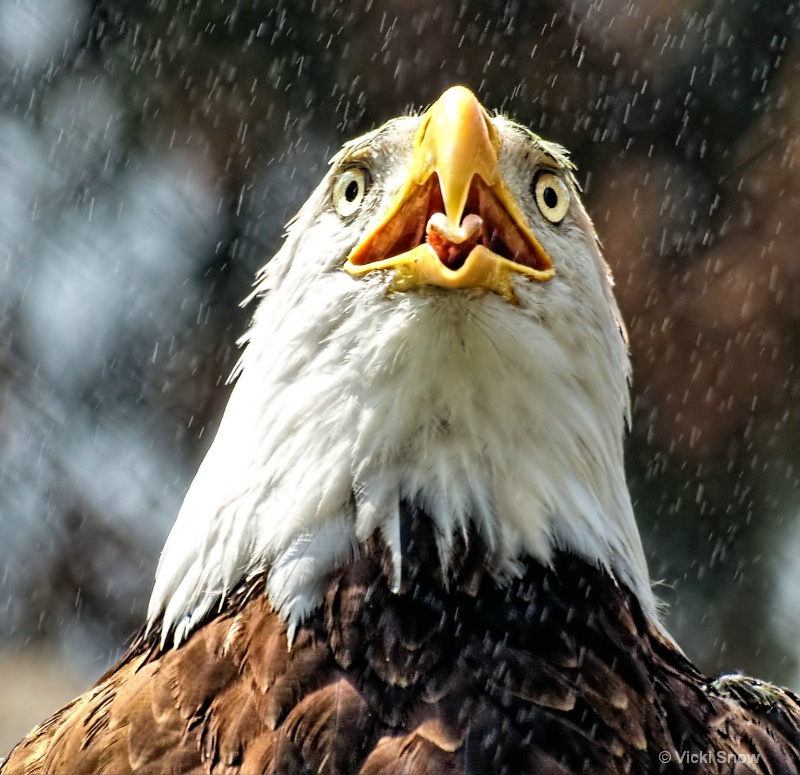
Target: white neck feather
(349,400)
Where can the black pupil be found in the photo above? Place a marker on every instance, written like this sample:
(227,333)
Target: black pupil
(550,197)
(351,192)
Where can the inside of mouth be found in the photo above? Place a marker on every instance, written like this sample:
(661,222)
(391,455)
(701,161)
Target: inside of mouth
(408,229)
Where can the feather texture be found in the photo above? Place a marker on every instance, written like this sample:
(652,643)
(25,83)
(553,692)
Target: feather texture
(559,671)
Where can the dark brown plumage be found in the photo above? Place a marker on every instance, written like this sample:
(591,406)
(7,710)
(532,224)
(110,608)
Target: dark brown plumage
(560,672)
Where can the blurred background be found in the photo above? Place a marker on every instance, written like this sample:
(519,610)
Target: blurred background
(150,155)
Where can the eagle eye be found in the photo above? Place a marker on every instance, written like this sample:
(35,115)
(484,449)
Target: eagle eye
(349,190)
(551,195)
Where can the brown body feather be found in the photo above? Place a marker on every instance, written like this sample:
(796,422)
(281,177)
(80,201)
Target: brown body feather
(556,672)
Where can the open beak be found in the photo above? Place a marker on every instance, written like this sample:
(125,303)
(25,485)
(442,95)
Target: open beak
(454,223)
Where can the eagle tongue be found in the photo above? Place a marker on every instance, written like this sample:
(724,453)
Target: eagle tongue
(452,246)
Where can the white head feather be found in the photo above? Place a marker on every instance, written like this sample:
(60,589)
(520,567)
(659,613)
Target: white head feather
(349,399)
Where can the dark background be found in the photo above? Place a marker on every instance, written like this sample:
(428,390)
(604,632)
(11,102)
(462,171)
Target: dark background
(150,154)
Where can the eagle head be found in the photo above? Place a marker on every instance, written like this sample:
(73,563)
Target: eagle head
(438,329)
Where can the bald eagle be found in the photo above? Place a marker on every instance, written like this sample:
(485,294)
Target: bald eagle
(411,547)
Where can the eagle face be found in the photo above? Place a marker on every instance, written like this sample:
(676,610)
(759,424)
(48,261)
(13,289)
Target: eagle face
(438,329)
(454,199)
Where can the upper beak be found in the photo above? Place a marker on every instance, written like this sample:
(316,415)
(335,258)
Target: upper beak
(454,223)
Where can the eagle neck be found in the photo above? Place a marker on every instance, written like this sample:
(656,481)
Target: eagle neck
(459,408)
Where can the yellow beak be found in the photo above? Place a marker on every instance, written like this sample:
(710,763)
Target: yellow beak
(453,223)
